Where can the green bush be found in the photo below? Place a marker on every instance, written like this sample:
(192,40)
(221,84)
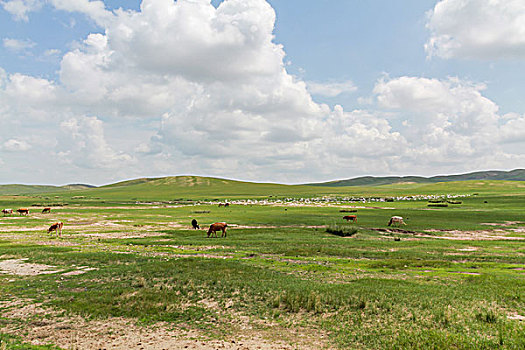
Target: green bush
(342,230)
(438,205)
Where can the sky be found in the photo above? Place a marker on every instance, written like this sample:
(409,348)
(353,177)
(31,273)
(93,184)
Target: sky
(287,91)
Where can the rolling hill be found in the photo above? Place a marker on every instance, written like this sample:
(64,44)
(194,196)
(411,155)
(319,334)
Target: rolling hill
(197,187)
(513,175)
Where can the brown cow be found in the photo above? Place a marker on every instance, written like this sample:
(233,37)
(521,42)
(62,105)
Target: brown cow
(224,205)
(23,211)
(218,226)
(46,210)
(57,227)
(352,218)
(7,211)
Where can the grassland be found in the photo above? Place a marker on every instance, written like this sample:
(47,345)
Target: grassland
(129,269)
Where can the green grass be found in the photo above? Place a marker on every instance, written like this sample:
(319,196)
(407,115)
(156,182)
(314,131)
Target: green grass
(279,264)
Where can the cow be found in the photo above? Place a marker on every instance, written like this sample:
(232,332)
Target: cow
(195,224)
(224,205)
(57,227)
(46,210)
(23,211)
(7,211)
(396,220)
(352,218)
(218,226)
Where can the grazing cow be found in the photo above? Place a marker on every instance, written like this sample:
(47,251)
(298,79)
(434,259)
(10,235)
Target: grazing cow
(46,210)
(23,211)
(352,218)
(7,211)
(195,224)
(57,227)
(218,226)
(224,205)
(396,220)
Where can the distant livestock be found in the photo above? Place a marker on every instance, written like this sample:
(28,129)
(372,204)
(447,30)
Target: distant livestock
(218,226)
(57,227)
(46,210)
(195,224)
(352,218)
(396,220)
(23,211)
(7,211)
(224,205)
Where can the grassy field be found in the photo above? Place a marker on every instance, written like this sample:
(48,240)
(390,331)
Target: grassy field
(129,272)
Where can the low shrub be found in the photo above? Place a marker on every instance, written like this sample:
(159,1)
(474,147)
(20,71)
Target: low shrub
(436,200)
(342,230)
(438,205)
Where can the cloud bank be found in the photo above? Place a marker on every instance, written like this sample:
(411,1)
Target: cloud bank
(184,87)
(477,29)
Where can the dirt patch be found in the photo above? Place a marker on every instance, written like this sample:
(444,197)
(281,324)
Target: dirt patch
(488,235)
(21,268)
(466,273)
(506,223)
(468,249)
(47,326)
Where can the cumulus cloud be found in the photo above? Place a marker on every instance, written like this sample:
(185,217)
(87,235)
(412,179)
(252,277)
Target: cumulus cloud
(82,142)
(449,121)
(184,87)
(330,89)
(477,29)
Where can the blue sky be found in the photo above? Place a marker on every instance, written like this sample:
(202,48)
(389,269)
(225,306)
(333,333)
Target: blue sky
(285,90)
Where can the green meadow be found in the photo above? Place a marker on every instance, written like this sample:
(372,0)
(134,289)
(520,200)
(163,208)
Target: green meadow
(453,277)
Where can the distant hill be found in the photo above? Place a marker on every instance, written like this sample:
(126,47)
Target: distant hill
(186,187)
(11,190)
(513,175)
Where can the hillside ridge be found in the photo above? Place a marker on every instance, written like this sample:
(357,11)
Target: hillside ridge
(512,175)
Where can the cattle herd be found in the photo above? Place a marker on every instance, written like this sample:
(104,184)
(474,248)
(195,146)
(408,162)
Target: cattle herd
(57,226)
(212,231)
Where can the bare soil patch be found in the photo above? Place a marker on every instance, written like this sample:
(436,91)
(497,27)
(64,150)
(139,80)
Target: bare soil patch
(48,326)
(483,235)
(21,268)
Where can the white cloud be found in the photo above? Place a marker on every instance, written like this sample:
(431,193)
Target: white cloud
(13,145)
(330,89)
(18,45)
(449,122)
(82,143)
(96,10)
(477,29)
(20,8)
(184,87)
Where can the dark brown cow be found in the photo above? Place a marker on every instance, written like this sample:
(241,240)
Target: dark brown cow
(23,211)
(7,211)
(57,227)
(218,226)
(46,210)
(352,218)
(195,224)
(224,205)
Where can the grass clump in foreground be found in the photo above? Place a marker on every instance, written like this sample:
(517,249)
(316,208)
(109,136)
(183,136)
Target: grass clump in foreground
(342,230)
